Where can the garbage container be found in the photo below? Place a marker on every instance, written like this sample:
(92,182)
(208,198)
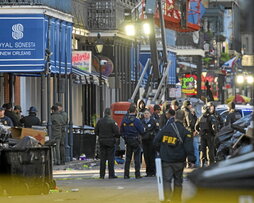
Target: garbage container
(26,171)
(84,141)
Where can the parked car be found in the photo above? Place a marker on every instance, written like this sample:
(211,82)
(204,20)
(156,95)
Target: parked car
(242,110)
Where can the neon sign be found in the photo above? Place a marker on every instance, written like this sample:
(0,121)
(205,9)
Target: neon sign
(189,84)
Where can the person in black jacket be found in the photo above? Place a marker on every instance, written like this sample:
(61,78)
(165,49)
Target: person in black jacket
(31,119)
(156,112)
(219,120)
(175,144)
(232,115)
(5,120)
(9,113)
(107,130)
(163,117)
(131,130)
(205,127)
(151,127)
(190,119)
(178,112)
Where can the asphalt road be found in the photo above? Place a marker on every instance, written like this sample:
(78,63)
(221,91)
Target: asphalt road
(85,186)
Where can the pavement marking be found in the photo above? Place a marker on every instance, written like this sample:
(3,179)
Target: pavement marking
(120,188)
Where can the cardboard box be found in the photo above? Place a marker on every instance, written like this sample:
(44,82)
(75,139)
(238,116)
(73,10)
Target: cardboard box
(19,133)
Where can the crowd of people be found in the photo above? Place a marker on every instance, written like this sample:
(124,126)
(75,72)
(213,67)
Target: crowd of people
(171,131)
(12,117)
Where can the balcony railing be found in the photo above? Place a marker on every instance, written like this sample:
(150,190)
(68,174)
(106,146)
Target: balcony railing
(79,11)
(107,14)
(61,5)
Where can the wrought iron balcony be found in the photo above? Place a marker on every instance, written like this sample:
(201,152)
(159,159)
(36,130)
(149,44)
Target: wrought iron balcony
(61,5)
(107,14)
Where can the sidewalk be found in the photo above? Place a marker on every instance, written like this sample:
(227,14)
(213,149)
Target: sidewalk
(89,164)
(92,166)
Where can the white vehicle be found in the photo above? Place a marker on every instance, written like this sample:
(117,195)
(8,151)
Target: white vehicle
(242,110)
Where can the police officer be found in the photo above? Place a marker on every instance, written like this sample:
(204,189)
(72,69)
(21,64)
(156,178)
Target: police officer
(9,113)
(64,130)
(57,124)
(141,107)
(17,111)
(163,117)
(131,130)
(156,112)
(219,120)
(5,120)
(31,119)
(189,119)
(178,112)
(175,144)
(205,127)
(170,115)
(151,127)
(107,130)
(232,115)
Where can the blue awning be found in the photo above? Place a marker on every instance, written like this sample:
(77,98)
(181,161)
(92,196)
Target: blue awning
(24,39)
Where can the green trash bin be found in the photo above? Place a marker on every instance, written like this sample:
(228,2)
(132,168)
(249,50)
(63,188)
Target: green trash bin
(26,171)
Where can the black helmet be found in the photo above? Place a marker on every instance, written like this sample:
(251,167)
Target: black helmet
(32,109)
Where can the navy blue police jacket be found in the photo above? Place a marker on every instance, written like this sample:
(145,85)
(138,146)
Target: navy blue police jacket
(131,127)
(171,149)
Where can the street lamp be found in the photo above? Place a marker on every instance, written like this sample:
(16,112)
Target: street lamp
(250,79)
(240,79)
(245,80)
(130,30)
(146,28)
(136,29)
(99,48)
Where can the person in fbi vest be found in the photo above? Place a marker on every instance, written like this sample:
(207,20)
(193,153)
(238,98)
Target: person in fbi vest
(174,144)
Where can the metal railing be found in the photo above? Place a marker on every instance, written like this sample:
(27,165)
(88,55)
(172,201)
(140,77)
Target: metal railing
(107,14)
(61,5)
(79,11)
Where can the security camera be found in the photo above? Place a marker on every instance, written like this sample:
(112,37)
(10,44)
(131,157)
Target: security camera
(103,62)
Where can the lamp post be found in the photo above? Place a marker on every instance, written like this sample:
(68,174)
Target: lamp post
(49,124)
(137,29)
(99,49)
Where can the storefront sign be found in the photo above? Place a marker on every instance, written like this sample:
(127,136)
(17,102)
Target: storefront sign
(189,84)
(248,60)
(22,43)
(175,92)
(82,60)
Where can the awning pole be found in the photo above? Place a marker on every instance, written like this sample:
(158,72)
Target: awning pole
(43,97)
(68,156)
(49,106)
(54,88)
(70,118)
